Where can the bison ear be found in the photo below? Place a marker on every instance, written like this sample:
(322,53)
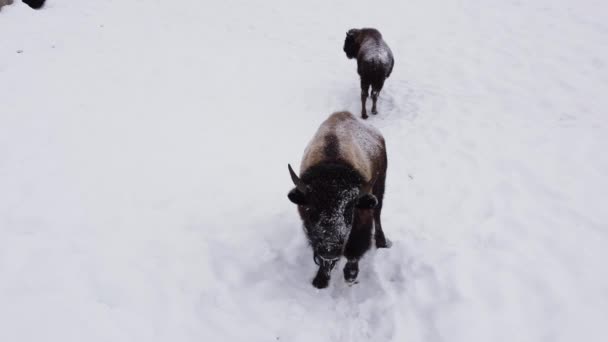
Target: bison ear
(297,197)
(367,201)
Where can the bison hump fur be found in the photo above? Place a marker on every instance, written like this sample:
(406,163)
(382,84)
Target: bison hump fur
(345,139)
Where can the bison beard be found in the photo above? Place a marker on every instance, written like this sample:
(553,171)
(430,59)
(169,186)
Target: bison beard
(336,216)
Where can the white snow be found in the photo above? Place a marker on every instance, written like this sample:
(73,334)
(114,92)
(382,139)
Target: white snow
(143,179)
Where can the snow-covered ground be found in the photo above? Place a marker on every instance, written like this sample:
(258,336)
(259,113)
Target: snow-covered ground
(143,171)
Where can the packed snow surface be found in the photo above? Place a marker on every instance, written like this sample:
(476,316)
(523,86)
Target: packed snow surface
(143,178)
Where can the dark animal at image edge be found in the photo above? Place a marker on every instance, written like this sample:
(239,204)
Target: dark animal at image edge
(35,4)
(340,193)
(374,62)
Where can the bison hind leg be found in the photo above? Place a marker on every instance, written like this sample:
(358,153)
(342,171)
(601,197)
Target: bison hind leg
(376,87)
(382,241)
(375,94)
(364,94)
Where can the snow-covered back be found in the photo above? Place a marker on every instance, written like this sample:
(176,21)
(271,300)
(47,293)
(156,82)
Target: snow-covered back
(375,51)
(143,179)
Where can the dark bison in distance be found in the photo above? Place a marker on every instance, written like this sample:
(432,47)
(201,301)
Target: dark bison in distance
(35,4)
(374,62)
(339,193)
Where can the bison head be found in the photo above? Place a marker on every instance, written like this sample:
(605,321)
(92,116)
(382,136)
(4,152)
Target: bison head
(351,47)
(327,205)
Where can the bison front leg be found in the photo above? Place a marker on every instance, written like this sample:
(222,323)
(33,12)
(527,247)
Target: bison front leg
(321,280)
(351,270)
(359,242)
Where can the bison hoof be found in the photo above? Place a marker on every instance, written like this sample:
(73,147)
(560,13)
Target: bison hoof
(383,243)
(320,281)
(374,111)
(351,271)
(364,116)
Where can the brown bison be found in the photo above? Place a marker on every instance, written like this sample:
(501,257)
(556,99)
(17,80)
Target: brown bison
(35,4)
(374,62)
(339,193)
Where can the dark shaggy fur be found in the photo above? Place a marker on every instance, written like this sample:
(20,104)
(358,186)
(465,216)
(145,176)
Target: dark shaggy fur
(374,62)
(327,182)
(35,4)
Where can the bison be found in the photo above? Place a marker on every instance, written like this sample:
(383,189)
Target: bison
(340,192)
(35,4)
(374,62)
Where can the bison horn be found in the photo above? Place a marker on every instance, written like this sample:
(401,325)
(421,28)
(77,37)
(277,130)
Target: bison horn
(297,181)
(368,188)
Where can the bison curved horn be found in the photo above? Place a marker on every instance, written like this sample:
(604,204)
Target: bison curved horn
(297,181)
